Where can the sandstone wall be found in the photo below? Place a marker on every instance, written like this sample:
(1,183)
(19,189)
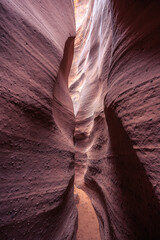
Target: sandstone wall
(36,124)
(116,98)
(114,84)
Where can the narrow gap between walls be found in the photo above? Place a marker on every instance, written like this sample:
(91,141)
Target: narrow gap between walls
(88,225)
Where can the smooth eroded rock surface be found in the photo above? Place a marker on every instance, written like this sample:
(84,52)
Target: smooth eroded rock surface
(114,85)
(36,120)
(116,99)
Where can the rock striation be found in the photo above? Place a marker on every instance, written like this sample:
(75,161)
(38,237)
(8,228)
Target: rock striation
(114,84)
(111,146)
(36,120)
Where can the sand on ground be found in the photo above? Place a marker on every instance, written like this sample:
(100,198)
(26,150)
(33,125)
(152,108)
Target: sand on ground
(88,226)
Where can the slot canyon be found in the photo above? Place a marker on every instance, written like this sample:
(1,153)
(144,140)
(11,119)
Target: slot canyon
(79,120)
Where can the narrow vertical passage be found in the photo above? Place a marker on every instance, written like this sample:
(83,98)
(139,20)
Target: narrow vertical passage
(88,225)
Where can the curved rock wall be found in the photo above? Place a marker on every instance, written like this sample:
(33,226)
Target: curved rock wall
(116,98)
(114,84)
(36,124)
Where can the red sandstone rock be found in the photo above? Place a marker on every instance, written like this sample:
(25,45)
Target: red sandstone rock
(36,121)
(117,69)
(114,84)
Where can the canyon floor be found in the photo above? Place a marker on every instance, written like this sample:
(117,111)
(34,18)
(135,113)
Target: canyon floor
(88,226)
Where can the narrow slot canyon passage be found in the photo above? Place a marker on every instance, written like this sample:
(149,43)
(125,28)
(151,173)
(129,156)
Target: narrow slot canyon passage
(79,120)
(88,226)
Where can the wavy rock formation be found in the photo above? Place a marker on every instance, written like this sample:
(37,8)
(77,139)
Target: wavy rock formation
(114,84)
(36,120)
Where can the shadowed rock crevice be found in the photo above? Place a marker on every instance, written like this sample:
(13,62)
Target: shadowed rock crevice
(62,103)
(136,193)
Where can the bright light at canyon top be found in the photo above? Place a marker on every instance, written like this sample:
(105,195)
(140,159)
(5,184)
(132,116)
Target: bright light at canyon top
(81,8)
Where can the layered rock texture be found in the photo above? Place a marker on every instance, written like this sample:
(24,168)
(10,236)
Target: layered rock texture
(36,120)
(111,145)
(115,88)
